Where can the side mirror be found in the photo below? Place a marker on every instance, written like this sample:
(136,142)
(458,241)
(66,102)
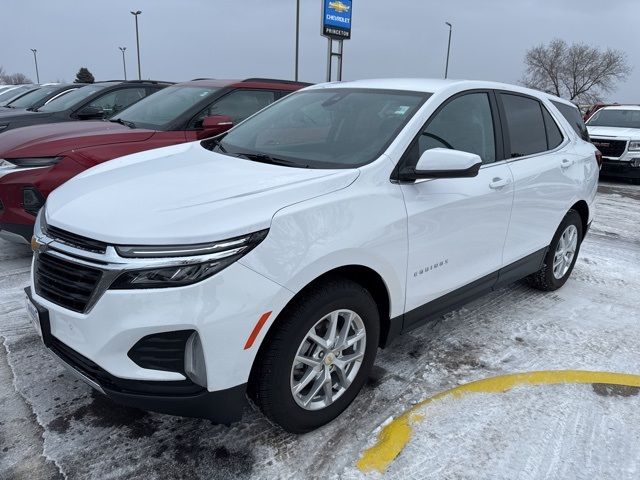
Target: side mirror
(90,113)
(215,125)
(443,163)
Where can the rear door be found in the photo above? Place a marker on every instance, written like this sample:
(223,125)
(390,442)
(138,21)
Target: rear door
(543,167)
(457,226)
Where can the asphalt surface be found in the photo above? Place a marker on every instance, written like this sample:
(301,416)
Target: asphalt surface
(54,426)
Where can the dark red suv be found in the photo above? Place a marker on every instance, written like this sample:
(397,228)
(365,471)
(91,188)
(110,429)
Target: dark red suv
(36,160)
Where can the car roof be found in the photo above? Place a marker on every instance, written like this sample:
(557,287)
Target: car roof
(246,83)
(621,107)
(434,85)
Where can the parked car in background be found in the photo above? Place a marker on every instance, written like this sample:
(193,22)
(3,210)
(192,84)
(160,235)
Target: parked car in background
(91,102)
(615,131)
(9,94)
(276,258)
(35,99)
(37,159)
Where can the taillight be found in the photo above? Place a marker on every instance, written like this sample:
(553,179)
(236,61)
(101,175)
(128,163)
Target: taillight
(599,158)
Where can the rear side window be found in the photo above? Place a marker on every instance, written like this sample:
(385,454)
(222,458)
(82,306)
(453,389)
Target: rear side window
(239,105)
(572,115)
(554,136)
(527,132)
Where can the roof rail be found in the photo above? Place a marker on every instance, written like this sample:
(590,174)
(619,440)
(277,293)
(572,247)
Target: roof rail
(133,81)
(202,78)
(275,80)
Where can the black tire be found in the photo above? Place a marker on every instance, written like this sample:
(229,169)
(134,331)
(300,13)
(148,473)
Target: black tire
(544,279)
(270,384)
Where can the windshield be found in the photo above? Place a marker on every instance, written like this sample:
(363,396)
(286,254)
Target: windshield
(70,99)
(157,111)
(10,94)
(615,118)
(34,97)
(324,128)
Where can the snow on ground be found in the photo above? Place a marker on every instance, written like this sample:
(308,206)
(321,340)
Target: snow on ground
(54,426)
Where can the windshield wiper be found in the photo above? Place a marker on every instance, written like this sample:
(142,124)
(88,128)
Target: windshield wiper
(264,158)
(123,122)
(217,143)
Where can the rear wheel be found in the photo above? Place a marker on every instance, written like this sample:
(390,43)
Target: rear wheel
(561,256)
(318,358)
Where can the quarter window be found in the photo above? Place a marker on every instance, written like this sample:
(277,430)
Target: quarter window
(554,136)
(572,115)
(527,133)
(465,124)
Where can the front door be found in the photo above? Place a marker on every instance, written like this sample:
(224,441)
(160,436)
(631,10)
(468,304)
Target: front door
(457,227)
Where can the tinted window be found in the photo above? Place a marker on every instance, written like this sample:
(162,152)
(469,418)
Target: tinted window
(238,105)
(615,118)
(464,124)
(326,128)
(72,99)
(34,96)
(527,133)
(554,136)
(116,101)
(572,115)
(11,94)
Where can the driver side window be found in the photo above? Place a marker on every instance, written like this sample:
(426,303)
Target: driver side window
(465,124)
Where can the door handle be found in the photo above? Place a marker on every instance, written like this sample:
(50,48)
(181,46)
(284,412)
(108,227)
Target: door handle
(566,163)
(497,183)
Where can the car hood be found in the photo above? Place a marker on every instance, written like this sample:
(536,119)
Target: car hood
(614,132)
(183,194)
(56,138)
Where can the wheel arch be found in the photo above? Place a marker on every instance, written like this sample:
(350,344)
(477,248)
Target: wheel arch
(583,210)
(365,276)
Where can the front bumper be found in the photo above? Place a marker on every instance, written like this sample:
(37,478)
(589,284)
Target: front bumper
(618,168)
(182,398)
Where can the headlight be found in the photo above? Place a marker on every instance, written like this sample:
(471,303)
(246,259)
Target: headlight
(6,163)
(634,146)
(3,126)
(215,257)
(30,162)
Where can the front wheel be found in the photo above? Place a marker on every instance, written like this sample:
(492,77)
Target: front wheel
(319,356)
(561,256)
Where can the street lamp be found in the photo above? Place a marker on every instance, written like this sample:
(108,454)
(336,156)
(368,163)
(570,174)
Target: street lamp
(35,59)
(297,36)
(135,14)
(124,64)
(446,69)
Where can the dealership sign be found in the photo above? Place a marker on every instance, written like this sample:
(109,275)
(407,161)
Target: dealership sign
(336,19)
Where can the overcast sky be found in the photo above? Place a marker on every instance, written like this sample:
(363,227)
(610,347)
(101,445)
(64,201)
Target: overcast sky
(184,39)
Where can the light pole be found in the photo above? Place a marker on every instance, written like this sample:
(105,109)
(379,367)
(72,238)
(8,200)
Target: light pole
(297,36)
(135,14)
(446,69)
(124,64)
(35,59)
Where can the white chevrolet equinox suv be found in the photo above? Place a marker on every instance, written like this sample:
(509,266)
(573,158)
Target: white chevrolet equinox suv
(271,262)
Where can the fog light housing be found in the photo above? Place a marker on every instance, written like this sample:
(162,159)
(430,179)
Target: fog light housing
(635,162)
(32,200)
(194,363)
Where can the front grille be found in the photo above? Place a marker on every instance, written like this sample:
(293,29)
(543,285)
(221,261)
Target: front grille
(610,148)
(107,381)
(77,241)
(64,283)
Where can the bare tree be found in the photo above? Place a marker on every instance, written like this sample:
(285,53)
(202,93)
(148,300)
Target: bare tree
(16,79)
(578,72)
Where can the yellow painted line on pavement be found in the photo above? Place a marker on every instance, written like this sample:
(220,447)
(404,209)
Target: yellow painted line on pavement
(395,435)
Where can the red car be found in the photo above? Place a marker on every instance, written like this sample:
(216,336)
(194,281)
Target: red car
(36,160)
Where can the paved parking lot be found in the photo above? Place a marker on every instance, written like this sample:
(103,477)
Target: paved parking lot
(55,427)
